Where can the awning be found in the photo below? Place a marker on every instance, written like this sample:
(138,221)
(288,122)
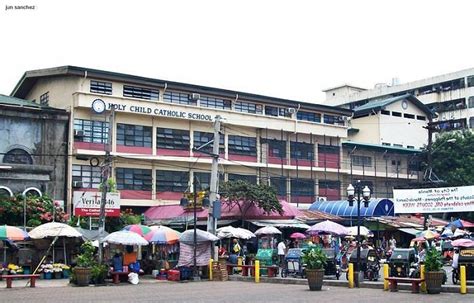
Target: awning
(377,208)
(281,223)
(410,231)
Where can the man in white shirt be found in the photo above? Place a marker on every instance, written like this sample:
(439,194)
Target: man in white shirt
(281,253)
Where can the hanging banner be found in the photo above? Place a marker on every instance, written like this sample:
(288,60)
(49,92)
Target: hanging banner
(434,200)
(87,204)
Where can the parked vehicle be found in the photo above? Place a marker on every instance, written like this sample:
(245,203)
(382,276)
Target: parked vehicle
(332,267)
(466,258)
(401,261)
(293,264)
(369,263)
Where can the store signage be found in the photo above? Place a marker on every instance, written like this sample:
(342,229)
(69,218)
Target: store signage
(87,204)
(434,200)
(155,110)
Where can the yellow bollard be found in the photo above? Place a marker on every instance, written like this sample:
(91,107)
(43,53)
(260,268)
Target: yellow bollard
(257,271)
(240,262)
(350,275)
(422,276)
(385,275)
(462,279)
(210,269)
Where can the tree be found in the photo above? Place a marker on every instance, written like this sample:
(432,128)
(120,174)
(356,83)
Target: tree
(244,195)
(453,160)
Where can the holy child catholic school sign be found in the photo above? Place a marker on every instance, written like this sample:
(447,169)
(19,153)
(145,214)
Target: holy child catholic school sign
(87,204)
(434,200)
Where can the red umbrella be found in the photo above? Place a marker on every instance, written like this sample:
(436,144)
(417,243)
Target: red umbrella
(297,236)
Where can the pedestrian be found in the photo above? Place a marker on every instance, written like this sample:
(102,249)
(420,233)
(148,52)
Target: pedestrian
(281,248)
(117,262)
(393,243)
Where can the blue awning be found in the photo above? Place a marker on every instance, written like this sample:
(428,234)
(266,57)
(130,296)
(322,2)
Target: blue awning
(377,208)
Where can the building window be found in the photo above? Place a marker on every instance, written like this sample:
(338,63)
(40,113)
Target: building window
(409,116)
(203,180)
(410,147)
(18,156)
(133,179)
(101,87)
(421,118)
(91,131)
(178,98)
(212,102)
(277,111)
(471,102)
(140,92)
(396,114)
(201,138)
(248,107)
(308,116)
(385,112)
(398,145)
(276,148)
(331,119)
(361,161)
(471,122)
(133,135)
(239,145)
(89,176)
(470,81)
(396,162)
(302,187)
(386,144)
(301,150)
(252,179)
(168,138)
(279,184)
(172,181)
(44,99)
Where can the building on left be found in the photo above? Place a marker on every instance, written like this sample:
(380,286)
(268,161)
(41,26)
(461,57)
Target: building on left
(33,148)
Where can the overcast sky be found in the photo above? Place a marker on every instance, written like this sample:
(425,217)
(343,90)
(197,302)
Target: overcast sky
(287,49)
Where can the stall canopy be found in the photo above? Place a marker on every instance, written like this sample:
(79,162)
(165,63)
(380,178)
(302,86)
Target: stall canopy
(377,208)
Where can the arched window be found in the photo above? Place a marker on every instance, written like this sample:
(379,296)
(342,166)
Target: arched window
(5,192)
(18,156)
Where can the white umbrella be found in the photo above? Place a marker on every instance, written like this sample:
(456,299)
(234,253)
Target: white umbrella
(328,227)
(232,232)
(201,236)
(125,237)
(364,231)
(54,229)
(268,230)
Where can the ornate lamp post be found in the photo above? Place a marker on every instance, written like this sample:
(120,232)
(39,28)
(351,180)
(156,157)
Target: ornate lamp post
(353,192)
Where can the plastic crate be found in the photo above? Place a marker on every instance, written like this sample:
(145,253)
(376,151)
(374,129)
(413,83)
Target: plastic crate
(173,275)
(186,273)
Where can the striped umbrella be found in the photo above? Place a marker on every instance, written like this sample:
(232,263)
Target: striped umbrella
(13,233)
(162,235)
(142,230)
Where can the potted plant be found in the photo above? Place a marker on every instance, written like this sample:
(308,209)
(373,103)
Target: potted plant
(99,273)
(434,275)
(315,260)
(82,272)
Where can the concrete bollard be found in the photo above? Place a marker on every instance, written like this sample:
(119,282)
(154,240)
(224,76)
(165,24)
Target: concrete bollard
(210,269)
(350,275)
(257,271)
(385,275)
(462,279)
(422,276)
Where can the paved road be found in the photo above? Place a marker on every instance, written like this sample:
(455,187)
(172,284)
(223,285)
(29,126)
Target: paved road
(234,292)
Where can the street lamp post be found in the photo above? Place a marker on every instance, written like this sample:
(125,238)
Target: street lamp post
(351,192)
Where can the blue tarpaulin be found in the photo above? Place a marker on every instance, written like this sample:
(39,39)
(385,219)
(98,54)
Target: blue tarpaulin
(377,208)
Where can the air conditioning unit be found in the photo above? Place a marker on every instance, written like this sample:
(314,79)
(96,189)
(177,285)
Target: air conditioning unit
(322,199)
(77,184)
(78,133)
(291,110)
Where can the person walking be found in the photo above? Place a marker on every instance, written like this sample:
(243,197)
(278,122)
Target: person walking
(281,248)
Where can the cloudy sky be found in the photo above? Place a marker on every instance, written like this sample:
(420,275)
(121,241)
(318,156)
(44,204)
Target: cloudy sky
(287,49)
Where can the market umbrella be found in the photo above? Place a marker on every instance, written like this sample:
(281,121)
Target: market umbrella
(428,234)
(457,223)
(142,230)
(234,232)
(297,236)
(201,236)
(328,227)
(463,243)
(162,236)
(447,233)
(364,231)
(13,233)
(125,237)
(268,230)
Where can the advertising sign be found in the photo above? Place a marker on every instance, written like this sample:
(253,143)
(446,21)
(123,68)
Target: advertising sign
(434,200)
(87,204)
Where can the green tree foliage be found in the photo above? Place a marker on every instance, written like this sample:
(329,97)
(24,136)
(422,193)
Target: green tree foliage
(38,210)
(454,162)
(244,195)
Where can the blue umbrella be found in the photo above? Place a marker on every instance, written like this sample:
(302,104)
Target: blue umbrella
(456,223)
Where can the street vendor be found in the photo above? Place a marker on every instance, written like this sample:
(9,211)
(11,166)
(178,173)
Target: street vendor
(117,262)
(130,256)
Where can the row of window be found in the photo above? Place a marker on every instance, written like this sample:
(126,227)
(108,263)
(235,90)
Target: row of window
(178,181)
(405,115)
(176,139)
(101,87)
